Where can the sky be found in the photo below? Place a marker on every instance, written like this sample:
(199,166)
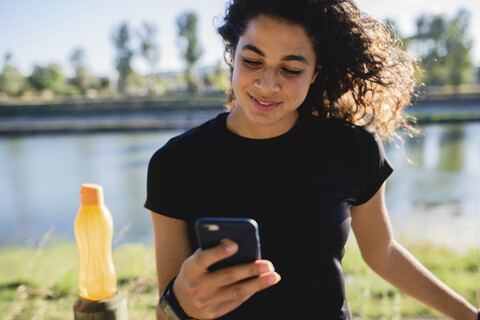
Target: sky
(48,31)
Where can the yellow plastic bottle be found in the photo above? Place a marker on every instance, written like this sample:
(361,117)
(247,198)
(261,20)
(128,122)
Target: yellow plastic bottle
(97,279)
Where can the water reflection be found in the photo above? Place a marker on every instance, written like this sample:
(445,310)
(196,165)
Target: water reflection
(40,178)
(431,147)
(436,199)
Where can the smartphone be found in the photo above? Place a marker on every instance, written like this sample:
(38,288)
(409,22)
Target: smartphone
(244,231)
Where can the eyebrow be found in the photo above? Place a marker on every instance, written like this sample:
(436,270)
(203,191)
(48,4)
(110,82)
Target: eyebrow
(291,57)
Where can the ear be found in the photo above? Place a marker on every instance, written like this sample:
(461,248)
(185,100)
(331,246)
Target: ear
(314,77)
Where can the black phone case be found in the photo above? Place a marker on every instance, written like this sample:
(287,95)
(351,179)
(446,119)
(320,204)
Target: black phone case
(241,230)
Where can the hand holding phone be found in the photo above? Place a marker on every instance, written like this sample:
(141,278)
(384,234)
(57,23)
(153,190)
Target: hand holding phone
(244,231)
(223,290)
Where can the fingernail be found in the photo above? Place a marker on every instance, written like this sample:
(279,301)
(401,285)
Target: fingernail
(264,268)
(274,278)
(231,247)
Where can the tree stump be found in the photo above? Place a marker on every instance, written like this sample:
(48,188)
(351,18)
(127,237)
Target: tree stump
(112,308)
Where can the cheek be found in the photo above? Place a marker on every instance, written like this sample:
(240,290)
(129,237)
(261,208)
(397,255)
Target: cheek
(238,84)
(241,76)
(235,80)
(299,89)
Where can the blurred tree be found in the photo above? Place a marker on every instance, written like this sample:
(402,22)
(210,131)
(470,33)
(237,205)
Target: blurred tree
(12,81)
(8,58)
(82,80)
(191,49)
(218,78)
(137,83)
(444,46)
(50,77)
(124,55)
(150,51)
(104,84)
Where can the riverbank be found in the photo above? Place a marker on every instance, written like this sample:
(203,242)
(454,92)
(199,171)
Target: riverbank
(137,113)
(107,114)
(446,109)
(41,283)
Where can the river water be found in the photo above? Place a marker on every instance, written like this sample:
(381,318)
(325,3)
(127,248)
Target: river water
(432,196)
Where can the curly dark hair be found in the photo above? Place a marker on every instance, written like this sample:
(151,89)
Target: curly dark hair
(365,77)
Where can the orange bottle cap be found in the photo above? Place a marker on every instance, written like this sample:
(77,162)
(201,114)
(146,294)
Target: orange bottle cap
(91,194)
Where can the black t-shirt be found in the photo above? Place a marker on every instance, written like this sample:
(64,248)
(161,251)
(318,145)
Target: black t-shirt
(299,187)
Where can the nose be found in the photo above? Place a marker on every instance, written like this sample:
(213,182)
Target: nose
(267,80)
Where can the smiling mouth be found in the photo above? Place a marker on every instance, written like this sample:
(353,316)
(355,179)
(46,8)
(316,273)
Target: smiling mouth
(264,104)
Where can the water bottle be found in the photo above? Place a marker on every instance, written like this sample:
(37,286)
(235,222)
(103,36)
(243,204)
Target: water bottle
(97,279)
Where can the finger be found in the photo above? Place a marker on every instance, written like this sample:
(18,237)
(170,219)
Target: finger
(224,308)
(205,258)
(230,275)
(243,290)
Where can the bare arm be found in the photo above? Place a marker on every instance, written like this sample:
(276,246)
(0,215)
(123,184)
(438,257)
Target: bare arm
(200,293)
(172,247)
(395,264)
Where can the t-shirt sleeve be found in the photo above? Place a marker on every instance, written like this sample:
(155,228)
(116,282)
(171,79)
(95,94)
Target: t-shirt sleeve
(374,167)
(163,185)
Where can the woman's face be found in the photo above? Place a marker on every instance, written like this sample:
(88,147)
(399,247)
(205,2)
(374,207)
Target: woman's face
(274,65)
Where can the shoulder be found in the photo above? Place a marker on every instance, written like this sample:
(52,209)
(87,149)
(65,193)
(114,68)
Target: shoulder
(360,144)
(341,131)
(189,143)
(193,136)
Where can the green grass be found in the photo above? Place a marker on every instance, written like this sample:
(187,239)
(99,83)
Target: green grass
(371,297)
(41,283)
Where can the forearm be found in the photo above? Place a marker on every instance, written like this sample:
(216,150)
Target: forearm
(402,270)
(171,249)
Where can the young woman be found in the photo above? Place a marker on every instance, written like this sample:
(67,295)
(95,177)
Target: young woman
(314,85)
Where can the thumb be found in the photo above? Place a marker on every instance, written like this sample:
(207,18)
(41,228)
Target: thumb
(225,249)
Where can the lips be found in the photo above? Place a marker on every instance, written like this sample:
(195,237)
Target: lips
(264,104)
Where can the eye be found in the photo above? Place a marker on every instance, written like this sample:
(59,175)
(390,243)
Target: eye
(251,63)
(292,72)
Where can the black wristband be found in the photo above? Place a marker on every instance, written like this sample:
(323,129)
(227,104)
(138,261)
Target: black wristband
(478,315)
(169,304)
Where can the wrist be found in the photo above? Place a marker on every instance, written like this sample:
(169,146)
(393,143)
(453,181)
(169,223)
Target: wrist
(169,304)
